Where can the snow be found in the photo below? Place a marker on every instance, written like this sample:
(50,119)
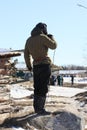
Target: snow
(64,91)
(19,92)
(17,128)
(78,80)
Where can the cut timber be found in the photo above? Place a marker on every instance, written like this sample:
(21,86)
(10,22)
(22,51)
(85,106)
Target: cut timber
(9,54)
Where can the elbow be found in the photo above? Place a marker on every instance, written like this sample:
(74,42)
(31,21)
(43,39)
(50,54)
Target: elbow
(55,46)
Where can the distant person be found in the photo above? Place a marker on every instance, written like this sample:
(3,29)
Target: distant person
(72,79)
(60,80)
(37,46)
(52,80)
(26,76)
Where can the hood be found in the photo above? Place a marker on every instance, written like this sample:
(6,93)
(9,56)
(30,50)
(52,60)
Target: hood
(36,31)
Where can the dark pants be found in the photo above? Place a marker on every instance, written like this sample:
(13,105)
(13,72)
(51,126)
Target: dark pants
(41,79)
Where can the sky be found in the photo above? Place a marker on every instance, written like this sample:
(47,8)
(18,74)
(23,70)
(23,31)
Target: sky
(65,20)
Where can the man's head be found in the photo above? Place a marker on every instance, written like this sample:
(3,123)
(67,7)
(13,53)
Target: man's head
(43,27)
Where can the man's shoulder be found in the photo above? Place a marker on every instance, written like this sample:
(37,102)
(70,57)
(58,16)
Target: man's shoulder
(28,38)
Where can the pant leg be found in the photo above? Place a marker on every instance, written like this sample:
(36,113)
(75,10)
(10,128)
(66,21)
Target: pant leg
(41,79)
(39,103)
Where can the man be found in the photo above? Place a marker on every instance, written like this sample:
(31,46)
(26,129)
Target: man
(37,46)
(72,79)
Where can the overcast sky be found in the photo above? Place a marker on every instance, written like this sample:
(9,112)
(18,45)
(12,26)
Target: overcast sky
(64,18)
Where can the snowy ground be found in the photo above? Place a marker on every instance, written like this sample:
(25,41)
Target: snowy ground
(65,91)
(19,92)
(78,80)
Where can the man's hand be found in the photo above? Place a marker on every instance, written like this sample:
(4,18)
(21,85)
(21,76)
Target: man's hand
(50,36)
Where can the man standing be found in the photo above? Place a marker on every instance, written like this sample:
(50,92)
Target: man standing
(37,46)
(72,79)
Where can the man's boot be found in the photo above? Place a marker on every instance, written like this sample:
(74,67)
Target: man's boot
(39,103)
